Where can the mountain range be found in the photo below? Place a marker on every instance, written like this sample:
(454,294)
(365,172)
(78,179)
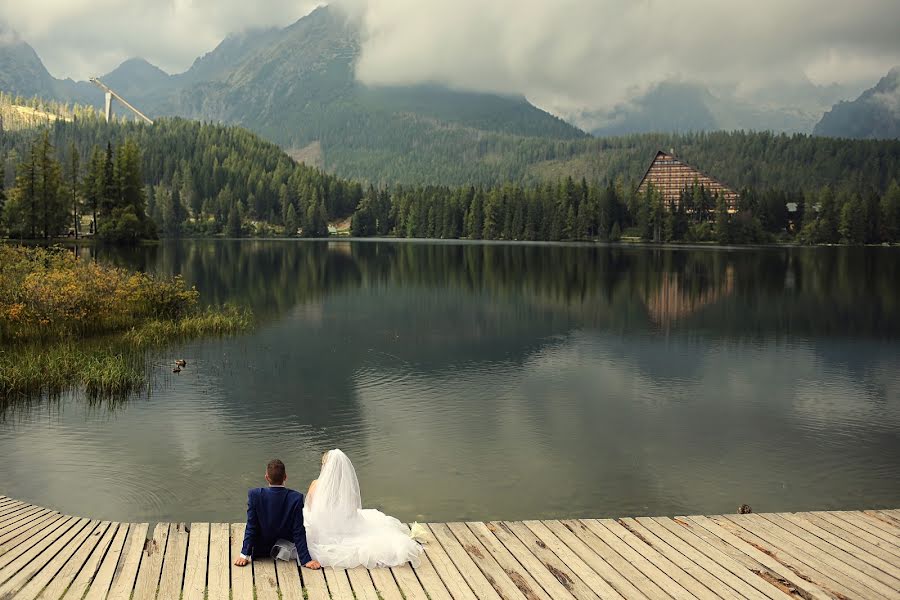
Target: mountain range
(875,114)
(296,86)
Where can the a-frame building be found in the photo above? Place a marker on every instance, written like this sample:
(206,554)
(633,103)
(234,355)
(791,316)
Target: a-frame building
(670,176)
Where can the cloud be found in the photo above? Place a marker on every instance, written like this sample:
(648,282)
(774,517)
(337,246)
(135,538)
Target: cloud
(575,54)
(82,38)
(565,55)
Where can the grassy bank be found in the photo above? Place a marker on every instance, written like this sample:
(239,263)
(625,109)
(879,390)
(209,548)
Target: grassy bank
(68,323)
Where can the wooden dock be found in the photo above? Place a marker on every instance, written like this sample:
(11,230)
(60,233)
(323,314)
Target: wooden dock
(811,555)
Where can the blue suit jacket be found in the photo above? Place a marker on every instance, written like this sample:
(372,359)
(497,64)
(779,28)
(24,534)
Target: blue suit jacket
(274,513)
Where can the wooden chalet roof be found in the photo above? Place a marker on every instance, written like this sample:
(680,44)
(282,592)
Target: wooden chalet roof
(670,176)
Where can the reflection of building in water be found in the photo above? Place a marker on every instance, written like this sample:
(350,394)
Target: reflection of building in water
(669,176)
(677,296)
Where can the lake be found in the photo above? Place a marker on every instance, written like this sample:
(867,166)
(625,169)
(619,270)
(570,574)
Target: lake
(497,381)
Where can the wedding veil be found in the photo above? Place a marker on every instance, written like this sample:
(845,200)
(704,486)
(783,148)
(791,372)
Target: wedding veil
(336,499)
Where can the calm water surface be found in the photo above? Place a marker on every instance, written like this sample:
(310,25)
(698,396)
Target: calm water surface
(498,381)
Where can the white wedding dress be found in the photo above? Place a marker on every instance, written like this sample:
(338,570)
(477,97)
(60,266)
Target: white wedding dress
(340,533)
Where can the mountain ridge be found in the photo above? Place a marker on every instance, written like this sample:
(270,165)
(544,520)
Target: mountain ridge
(875,114)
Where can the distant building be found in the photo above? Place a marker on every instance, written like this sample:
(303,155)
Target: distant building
(669,176)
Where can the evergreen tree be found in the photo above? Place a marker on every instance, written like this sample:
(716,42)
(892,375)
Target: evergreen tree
(852,220)
(73,165)
(890,213)
(723,221)
(51,201)
(92,185)
(233,228)
(291,223)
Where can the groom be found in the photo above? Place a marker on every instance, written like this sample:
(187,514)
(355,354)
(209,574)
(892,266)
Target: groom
(274,513)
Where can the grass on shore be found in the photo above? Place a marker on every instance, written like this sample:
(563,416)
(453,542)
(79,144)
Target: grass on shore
(67,323)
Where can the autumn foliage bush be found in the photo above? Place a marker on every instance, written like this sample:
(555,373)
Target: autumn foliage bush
(51,294)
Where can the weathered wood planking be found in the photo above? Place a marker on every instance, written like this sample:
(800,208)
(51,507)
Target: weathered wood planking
(813,555)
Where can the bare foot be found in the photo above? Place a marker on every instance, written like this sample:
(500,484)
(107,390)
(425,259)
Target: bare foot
(240,561)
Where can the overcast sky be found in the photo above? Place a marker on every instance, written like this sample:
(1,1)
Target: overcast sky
(563,54)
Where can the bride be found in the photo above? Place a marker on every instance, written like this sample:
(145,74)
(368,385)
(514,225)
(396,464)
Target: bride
(340,533)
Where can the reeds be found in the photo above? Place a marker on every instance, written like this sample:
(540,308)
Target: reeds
(67,323)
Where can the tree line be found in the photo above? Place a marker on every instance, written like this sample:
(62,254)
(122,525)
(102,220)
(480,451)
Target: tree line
(179,177)
(570,210)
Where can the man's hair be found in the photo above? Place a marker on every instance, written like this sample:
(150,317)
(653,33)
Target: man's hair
(276,471)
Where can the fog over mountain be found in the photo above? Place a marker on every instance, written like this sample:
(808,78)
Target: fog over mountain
(587,60)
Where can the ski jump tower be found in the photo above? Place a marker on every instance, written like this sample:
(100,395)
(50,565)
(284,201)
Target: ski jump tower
(109,98)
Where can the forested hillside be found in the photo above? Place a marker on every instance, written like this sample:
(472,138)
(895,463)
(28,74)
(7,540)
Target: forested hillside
(200,177)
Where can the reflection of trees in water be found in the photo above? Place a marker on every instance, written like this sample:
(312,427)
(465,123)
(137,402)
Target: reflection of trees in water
(783,290)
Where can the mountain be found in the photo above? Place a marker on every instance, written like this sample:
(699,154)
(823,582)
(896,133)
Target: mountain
(874,115)
(679,106)
(21,70)
(296,86)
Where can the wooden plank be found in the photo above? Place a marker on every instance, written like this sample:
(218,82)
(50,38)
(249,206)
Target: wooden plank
(96,585)
(241,577)
(338,584)
(61,565)
(648,568)
(172,577)
(265,579)
(447,571)
(853,556)
(470,572)
(638,579)
(553,563)
(33,522)
(596,562)
(361,582)
(408,583)
(492,570)
(600,586)
(794,559)
(710,531)
(288,580)
(683,578)
(430,580)
(812,555)
(219,577)
(314,584)
(385,584)
(127,568)
(750,574)
(28,515)
(821,525)
(707,572)
(517,560)
(82,564)
(31,563)
(150,569)
(14,558)
(31,537)
(865,525)
(15,513)
(885,516)
(516,571)
(857,532)
(195,567)
(885,523)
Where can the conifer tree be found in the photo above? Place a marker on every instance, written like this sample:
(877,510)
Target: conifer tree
(73,165)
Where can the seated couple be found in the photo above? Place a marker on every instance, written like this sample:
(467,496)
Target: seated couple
(330,530)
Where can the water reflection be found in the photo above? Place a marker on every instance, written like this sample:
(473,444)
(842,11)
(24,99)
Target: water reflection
(496,381)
